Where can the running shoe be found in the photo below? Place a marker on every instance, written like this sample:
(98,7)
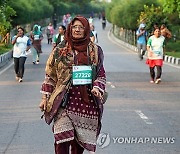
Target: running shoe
(158,81)
(20,80)
(152,81)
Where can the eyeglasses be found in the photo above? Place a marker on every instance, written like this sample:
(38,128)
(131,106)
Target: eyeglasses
(79,27)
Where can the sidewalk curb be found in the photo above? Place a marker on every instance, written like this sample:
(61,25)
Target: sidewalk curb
(168,59)
(4,58)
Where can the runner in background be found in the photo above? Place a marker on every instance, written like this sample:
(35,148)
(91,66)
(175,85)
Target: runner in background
(141,34)
(94,33)
(155,55)
(21,46)
(103,21)
(36,38)
(55,20)
(49,33)
(90,20)
(58,38)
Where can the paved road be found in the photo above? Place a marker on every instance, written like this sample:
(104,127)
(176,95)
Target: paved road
(135,108)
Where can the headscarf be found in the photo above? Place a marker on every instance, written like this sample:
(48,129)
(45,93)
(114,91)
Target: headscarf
(78,44)
(36,31)
(81,46)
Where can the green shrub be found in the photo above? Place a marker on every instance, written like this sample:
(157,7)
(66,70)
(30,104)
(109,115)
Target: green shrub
(173,48)
(5,48)
(126,13)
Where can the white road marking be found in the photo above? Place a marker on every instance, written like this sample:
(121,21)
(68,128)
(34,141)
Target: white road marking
(6,68)
(112,86)
(109,83)
(143,117)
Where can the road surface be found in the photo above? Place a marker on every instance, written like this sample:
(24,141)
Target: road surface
(139,117)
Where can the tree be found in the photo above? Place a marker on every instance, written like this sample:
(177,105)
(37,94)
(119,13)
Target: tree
(171,6)
(6,12)
(30,11)
(153,15)
(56,3)
(125,13)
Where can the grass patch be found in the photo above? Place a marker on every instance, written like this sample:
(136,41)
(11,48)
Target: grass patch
(5,48)
(174,54)
(173,49)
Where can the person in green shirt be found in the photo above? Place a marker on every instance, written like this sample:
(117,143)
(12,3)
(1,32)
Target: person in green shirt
(155,50)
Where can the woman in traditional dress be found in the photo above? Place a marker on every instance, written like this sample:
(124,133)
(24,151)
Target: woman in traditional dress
(36,38)
(78,67)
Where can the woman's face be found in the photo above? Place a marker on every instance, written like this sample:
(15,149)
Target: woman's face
(77,29)
(20,32)
(157,32)
(36,28)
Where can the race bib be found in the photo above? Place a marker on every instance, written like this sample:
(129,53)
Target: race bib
(82,75)
(157,53)
(36,37)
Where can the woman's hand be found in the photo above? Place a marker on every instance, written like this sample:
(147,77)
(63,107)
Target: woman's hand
(96,92)
(42,105)
(150,53)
